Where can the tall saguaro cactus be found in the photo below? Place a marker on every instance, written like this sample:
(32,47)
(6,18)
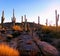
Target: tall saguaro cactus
(46,22)
(13,18)
(21,19)
(38,22)
(22,24)
(25,24)
(2,18)
(57,19)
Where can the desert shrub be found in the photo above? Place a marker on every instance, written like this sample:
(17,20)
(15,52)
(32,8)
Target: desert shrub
(5,50)
(17,28)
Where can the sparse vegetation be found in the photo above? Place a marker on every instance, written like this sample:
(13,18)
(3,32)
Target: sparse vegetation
(51,31)
(11,35)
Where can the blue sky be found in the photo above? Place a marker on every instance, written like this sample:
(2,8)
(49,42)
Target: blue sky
(32,8)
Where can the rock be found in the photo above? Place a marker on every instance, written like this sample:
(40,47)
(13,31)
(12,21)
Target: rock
(13,44)
(26,46)
(47,49)
(56,43)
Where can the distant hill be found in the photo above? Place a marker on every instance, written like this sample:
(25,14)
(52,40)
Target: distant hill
(31,24)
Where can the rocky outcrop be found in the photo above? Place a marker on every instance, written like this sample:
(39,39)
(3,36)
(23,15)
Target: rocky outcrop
(26,46)
(56,43)
(47,49)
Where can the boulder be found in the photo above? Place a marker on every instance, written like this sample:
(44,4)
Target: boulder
(26,46)
(56,43)
(47,49)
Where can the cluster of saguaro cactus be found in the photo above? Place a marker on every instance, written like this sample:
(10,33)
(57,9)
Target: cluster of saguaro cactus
(25,25)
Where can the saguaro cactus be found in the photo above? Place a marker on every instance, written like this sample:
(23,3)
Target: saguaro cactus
(21,19)
(46,22)
(57,19)
(22,24)
(13,19)
(2,18)
(38,22)
(25,24)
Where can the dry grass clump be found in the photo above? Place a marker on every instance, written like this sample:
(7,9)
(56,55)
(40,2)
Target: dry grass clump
(5,50)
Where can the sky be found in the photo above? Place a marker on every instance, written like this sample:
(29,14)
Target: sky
(32,9)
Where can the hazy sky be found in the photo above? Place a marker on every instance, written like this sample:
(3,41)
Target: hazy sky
(32,8)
